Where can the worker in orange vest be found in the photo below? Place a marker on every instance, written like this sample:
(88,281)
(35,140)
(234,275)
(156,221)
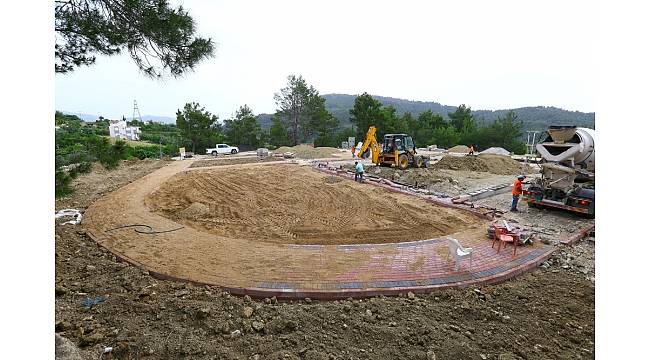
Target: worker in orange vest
(353,148)
(516,192)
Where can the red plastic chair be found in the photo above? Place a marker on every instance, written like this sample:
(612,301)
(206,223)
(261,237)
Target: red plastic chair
(503,236)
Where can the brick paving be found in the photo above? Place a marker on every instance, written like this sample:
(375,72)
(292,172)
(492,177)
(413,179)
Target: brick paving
(296,271)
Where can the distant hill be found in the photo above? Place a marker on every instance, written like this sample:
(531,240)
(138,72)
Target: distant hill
(533,118)
(91,118)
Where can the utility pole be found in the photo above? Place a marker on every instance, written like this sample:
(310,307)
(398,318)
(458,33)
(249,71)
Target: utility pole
(531,142)
(136,110)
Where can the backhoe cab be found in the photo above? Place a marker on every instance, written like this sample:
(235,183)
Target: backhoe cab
(397,149)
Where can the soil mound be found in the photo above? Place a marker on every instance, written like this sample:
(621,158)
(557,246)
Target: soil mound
(494,164)
(297,205)
(459,149)
(308,152)
(195,210)
(496,151)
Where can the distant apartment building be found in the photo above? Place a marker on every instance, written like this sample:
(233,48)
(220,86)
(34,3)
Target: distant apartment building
(119,129)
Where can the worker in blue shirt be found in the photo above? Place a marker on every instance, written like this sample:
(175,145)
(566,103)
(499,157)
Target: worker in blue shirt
(358,173)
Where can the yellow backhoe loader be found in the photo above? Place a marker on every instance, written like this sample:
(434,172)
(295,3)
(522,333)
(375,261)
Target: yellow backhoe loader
(397,149)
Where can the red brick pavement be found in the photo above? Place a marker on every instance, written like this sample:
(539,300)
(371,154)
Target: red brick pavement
(318,271)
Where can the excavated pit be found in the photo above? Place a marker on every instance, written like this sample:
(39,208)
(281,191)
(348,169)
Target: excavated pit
(289,204)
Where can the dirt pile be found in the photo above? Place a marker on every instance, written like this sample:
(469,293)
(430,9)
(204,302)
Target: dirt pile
(297,205)
(194,211)
(462,149)
(416,177)
(494,164)
(496,151)
(308,152)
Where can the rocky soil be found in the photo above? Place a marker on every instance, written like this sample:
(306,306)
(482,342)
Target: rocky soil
(550,225)
(548,313)
(443,181)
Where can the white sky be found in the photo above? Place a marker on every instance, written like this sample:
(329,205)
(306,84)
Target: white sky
(486,54)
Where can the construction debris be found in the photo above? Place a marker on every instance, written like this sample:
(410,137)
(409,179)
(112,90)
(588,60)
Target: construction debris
(76,214)
(262,152)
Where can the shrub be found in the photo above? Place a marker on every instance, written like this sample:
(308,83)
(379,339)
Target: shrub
(62,183)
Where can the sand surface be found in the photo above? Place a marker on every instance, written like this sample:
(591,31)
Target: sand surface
(288,204)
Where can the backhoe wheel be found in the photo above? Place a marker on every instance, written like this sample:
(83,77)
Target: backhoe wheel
(403,162)
(419,162)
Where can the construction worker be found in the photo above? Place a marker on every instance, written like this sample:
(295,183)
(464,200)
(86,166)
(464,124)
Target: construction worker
(353,148)
(358,171)
(516,192)
(471,149)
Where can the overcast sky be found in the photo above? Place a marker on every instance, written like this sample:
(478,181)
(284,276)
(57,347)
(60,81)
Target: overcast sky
(486,54)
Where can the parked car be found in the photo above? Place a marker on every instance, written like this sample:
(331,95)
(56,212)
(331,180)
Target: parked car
(222,149)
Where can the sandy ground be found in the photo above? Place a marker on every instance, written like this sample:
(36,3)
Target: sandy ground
(232,161)
(296,205)
(546,314)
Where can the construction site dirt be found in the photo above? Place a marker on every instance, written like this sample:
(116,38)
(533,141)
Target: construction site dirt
(547,313)
(296,205)
(232,161)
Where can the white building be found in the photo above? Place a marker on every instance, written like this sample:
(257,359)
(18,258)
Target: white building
(118,129)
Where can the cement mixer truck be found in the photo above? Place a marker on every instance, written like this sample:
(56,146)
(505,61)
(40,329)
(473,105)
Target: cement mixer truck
(568,171)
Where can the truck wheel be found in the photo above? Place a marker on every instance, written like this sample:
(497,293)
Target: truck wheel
(419,162)
(403,162)
(233,151)
(214,153)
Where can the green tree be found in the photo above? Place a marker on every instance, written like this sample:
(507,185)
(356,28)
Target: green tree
(389,122)
(462,119)
(410,123)
(425,125)
(278,134)
(61,119)
(198,126)
(243,129)
(366,112)
(446,136)
(343,135)
(505,132)
(158,37)
(324,125)
(302,109)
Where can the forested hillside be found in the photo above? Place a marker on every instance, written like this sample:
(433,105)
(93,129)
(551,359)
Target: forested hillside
(533,118)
